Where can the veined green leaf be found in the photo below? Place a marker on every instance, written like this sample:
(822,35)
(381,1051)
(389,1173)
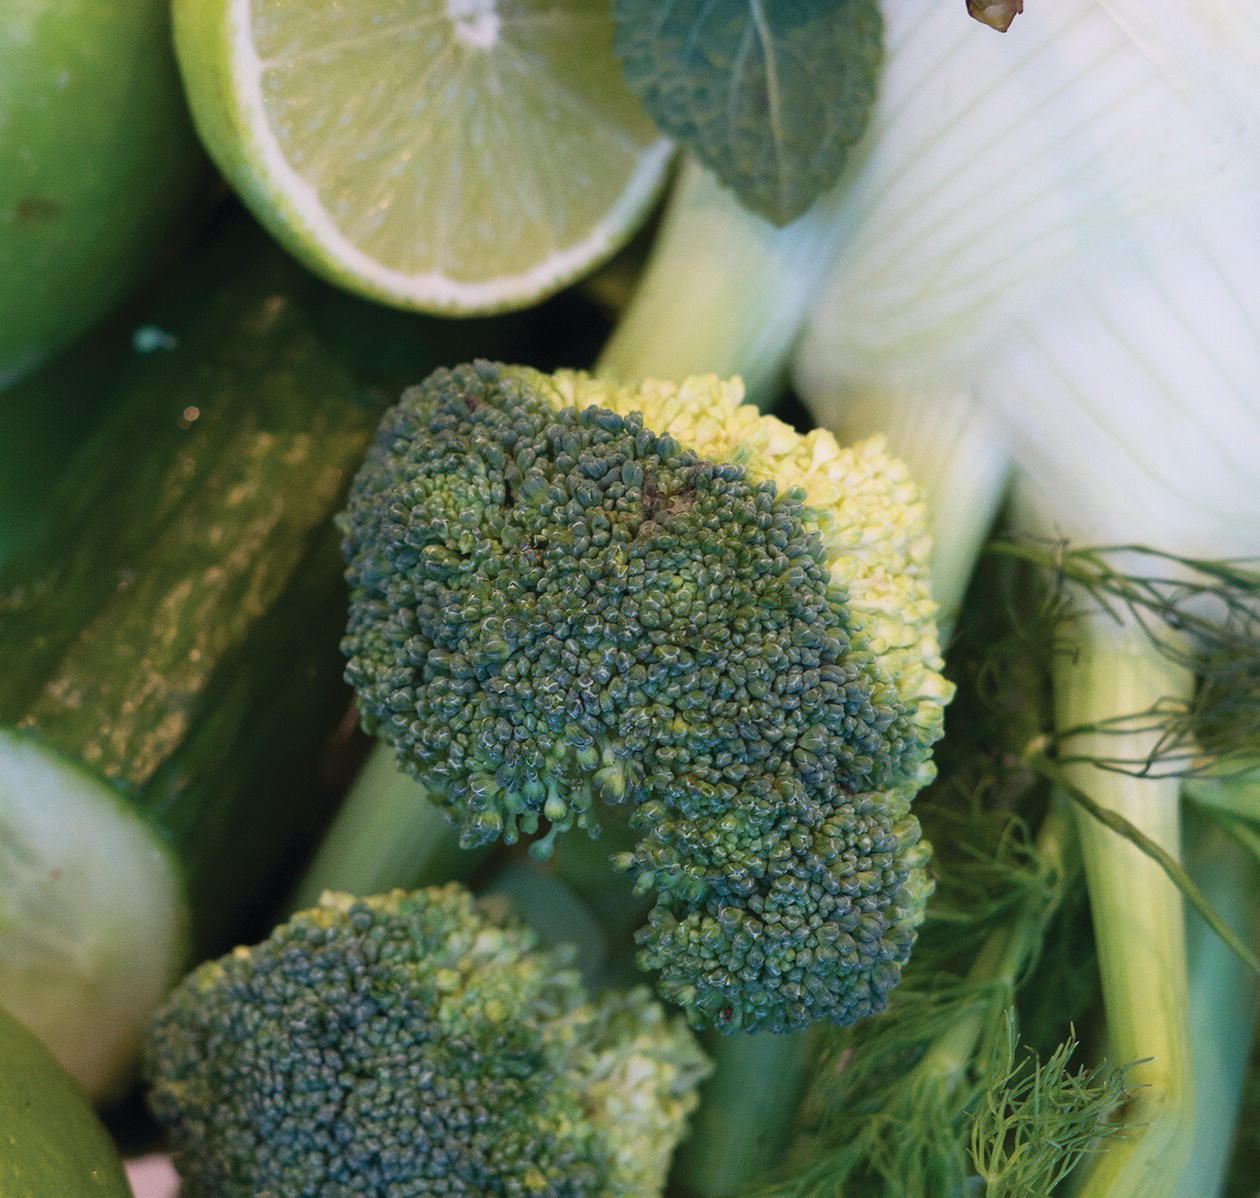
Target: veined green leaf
(770,94)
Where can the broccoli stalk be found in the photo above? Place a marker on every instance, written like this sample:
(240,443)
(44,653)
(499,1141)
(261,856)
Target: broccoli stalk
(747,1111)
(387,833)
(413,1044)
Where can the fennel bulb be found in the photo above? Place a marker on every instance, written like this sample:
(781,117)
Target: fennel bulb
(1049,254)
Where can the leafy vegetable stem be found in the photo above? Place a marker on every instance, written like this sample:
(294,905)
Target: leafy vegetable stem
(1230,799)
(1172,867)
(1002,958)
(1200,613)
(1137,908)
(724,291)
(745,1114)
(1223,996)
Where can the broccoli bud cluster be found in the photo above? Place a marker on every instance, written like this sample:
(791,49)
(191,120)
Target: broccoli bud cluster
(557,601)
(415,1044)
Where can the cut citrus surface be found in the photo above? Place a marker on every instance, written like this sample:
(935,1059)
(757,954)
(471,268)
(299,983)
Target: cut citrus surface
(454,156)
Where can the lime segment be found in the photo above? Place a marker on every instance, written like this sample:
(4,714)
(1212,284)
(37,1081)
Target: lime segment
(448,155)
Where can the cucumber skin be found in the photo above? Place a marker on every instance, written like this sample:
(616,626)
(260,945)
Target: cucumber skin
(176,629)
(43,421)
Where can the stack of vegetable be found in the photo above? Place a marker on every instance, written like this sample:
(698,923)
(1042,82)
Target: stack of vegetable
(793,731)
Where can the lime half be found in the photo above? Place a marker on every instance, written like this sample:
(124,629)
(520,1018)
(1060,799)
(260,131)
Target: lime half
(454,156)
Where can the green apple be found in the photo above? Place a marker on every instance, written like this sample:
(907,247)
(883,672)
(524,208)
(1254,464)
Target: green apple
(98,164)
(51,1142)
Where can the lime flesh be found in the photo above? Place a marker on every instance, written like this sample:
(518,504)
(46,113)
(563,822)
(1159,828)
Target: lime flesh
(449,155)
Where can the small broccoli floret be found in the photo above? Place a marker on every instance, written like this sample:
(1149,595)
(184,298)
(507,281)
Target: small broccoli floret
(564,591)
(415,1044)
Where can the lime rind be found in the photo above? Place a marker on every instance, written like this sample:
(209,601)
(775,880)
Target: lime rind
(295,203)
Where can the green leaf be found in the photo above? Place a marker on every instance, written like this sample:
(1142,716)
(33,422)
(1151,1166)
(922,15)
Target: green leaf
(769,94)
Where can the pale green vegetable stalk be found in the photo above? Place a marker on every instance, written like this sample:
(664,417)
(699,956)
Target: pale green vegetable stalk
(370,847)
(1223,991)
(1139,925)
(724,292)
(1057,224)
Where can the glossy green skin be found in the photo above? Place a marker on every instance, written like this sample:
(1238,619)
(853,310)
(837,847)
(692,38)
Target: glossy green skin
(46,417)
(51,1142)
(98,164)
(173,624)
(170,623)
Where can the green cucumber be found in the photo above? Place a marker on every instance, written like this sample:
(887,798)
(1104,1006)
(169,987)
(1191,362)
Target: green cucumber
(43,421)
(51,1142)
(170,644)
(49,415)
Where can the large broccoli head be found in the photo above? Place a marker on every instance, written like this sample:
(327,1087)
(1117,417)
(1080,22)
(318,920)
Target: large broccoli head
(566,591)
(415,1045)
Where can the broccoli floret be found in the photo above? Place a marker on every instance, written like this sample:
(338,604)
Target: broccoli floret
(564,591)
(415,1044)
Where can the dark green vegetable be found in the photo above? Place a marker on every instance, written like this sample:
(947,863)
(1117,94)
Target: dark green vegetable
(553,606)
(415,1044)
(170,644)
